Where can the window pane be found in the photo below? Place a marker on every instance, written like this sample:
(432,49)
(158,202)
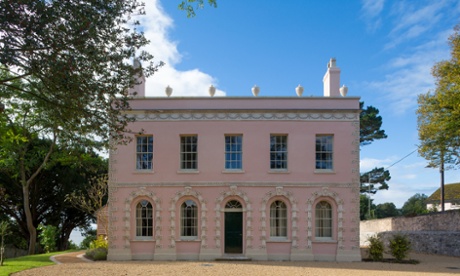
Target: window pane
(144,153)
(189,219)
(278,219)
(323,220)
(278,152)
(233,152)
(189,154)
(144,219)
(324,152)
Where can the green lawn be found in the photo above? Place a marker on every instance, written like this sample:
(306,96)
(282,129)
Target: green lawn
(27,262)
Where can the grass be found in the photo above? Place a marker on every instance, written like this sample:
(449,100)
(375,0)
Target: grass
(27,262)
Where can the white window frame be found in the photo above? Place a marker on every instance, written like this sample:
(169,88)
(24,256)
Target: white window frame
(274,152)
(231,152)
(189,220)
(278,220)
(186,153)
(324,148)
(143,148)
(144,220)
(324,220)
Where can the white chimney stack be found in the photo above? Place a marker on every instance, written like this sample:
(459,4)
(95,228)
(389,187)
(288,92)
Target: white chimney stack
(331,80)
(140,87)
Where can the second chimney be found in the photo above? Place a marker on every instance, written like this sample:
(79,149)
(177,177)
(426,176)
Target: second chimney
(331,80)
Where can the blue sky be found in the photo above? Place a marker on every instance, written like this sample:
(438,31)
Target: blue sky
(385,49)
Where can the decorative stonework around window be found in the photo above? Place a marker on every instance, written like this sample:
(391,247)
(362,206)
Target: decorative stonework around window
(142,191)
(188,191)
(234,192)
(279,191)
(324,192)
(209,116)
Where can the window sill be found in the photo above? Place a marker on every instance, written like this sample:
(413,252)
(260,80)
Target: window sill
(278,240)
(233,171)
(188,171)
(186,239)
(324,171)
(143,239)
(318,240)
(279,171)
(143,172)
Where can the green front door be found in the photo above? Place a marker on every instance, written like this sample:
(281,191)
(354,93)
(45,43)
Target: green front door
(234,232)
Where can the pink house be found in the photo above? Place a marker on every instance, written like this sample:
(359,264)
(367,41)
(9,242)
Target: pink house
(263,178)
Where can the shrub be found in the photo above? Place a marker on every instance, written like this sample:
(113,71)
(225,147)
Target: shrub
(399,246)
(100,242)
(376,247)
(98,249)
(97,254)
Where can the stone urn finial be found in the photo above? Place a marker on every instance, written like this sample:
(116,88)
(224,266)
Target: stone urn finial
(299,90)
(212,91)
(168,91)
(343,90)
(255,90)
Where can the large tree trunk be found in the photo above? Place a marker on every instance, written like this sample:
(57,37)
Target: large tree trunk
(30,225)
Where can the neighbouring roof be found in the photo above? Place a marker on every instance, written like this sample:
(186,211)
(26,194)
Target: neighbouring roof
(451,193)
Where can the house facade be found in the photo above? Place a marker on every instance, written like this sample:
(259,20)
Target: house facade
(451,198)
(265,178)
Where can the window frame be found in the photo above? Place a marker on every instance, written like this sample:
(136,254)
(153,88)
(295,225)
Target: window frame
(193,161)
(238,153)
(144,222)
(325,153)
(279,220)
(324,222)
(192,220)
(274,152)
(140,152)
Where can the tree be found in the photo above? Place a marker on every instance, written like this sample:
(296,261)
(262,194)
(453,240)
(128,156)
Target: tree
(199,4)
(365,207)
(92,199)
(370,180)
(438,115)
(4,231)
(415,205)
(74,57)
(370,124)
(370,130)
(386,210)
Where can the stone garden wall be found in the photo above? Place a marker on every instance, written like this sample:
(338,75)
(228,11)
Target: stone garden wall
(434,233)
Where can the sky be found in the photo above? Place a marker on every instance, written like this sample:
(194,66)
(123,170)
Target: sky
(385,50)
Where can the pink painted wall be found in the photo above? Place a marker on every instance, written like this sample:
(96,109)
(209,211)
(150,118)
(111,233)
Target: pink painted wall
(301,187)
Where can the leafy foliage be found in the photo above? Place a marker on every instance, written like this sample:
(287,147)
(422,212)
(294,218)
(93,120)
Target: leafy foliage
(199,4)
(376,247)
(370,180)
(386,210)
(4,231)
(370,124)
(415,205)
(74,58)
(400,246)
(438,114)
(48,236)
(98,249)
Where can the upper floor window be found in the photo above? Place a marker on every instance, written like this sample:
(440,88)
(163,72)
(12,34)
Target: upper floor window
(189,219)
(278,152)
(278,219)
(144,219)
(188,152)
(233,152)
(323,220)
(144,152)
(324,152)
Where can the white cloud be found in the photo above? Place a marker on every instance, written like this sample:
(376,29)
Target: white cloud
(370,13)
(156,25)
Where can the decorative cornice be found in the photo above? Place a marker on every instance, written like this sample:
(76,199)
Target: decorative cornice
(244,115)
(239,184)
